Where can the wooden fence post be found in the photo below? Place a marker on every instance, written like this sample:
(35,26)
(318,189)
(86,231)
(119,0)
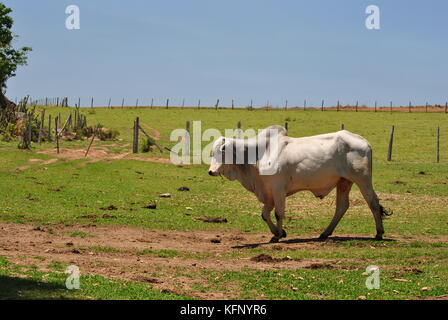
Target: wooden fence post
(91,103)
(286,105)
(167,103)
(286,127)
(410,106)
(304,105)
(356,108)
(337,107)
(122,103)
(49,127)
(135,136)
(136,103)
(426,107)
(446,107)
(322,106)
(108,105)
(30,127)
(233,104)
(216,105)
(391,142)
(251,104)
(376,104)
(199,103)
(238,129)
(438,145)
(342,126)
(41,127)
(56,133)
(152,102)
(187,138)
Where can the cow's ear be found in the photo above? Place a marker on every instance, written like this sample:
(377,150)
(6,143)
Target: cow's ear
(222,148)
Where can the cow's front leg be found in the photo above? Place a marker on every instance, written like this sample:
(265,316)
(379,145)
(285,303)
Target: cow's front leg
(266,215)
(279,202)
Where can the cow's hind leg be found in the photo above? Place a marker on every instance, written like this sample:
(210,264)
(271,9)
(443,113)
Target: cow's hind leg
(279,201)
(342,203)
(365,185)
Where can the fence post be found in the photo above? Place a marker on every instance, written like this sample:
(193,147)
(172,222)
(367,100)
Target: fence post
(238,129)
(233,104)
(391,142)
(136,103)
(286,127)
(135,136)
(41,127)
(376,103)
(199,103)
(342,126)
(426,108)
(357,102)
(152,102)
(251,104)
(337,107)
(91,103)
(187,138)
(49,127)
(109,103)
(322,106)
(304,105)
(167,103)
(446,107)
(286,105)
(409,106)
(79,102)
(56,135)
(30,126)
(438,145)
(216,105)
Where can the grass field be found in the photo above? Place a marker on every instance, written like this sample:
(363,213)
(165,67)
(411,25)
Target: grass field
(59,210)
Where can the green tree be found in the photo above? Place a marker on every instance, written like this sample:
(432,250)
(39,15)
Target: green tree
(10,58)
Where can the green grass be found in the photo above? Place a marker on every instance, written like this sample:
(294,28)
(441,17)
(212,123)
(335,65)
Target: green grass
(73,192)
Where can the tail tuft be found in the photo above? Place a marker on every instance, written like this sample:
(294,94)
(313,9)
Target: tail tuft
(384,212)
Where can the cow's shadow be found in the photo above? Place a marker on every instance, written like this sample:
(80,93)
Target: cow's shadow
(310,240)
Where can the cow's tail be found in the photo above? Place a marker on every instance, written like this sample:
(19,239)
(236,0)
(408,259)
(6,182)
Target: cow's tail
(384,212)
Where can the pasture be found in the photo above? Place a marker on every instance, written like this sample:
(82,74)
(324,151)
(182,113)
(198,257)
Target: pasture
(62,209)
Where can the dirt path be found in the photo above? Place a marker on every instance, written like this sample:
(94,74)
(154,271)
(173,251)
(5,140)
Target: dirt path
(188,252)
(196,250)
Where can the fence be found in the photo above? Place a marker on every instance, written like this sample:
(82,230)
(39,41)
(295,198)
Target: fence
(64,102)
(186,139)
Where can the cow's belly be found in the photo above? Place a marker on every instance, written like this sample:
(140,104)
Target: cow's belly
(320,182)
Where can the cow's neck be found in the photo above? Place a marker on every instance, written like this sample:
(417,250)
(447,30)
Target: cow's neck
(249,178)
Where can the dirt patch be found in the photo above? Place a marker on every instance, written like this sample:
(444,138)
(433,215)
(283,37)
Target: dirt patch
(138,253)
(95,154)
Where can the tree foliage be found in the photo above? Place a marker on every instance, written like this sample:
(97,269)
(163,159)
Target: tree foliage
(10,58)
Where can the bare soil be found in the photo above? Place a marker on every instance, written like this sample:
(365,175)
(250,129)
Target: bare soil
(124,257)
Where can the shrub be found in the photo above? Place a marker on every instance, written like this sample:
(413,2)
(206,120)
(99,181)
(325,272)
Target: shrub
(147,144)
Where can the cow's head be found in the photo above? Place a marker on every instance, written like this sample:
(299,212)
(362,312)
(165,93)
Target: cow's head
(217,158)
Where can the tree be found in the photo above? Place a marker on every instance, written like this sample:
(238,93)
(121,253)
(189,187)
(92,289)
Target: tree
(10,58)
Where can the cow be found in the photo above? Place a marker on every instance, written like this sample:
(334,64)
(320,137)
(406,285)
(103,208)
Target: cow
(317,163)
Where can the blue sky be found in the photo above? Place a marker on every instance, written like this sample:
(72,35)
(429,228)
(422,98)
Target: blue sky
(242,50)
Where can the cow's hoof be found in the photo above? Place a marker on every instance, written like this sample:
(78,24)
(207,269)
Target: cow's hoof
(274,239)
(323,237)
(284,235)
(379,237)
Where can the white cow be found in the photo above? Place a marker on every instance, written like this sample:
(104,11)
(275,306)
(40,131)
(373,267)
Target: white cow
(318,164)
